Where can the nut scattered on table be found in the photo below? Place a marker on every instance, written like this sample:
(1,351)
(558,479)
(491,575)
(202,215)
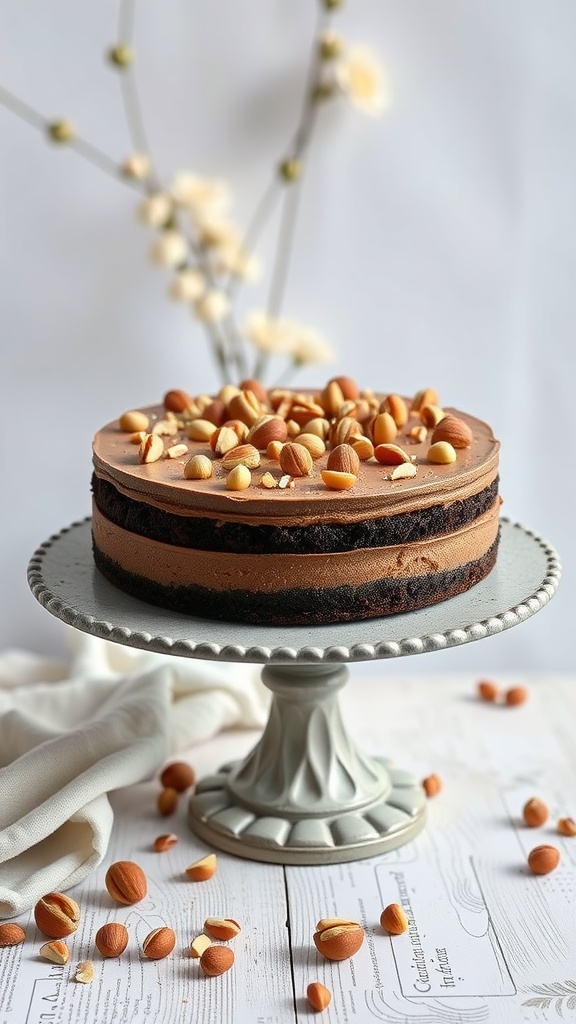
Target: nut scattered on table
(165,842)
(221,928)
(198,945)
(432,785)
(515,695)
(57,915)
(126,882)
(85,972)
(566,826)
(216,960)
(167,801)
(337,938)
(56,952)
(202,869)
(159,943)
(393,919)
(11,934)
(487,690)
(178,775)
(318,995)
(111,939)
(543,859)
(535,812)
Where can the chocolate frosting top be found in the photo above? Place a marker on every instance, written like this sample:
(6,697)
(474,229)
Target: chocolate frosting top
(163,484)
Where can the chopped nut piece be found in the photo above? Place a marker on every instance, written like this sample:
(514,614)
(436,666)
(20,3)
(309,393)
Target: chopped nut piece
(404,472)
(318,995)
(165,842)
(269,481)
(56,951)
(176,451)
(202,869)
(85,972)
(198,945)
(151,448)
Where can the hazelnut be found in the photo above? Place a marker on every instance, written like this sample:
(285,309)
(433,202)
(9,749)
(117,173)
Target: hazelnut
(543,859)
(313,443)
(11,935)
(256,387)
(57,915)
(487,690)
(431,415)
(535,812)
(133,421)
(428,396)
(239,478)
(126,882)
(318,995)
(159,943)
(177,400)
(441,453)
(246,407)
(178,775)
(199,467)
(393,919)
(266,429)
(515,695)
(221,928)
(343,459)
(337,938)
(566,826)
(295,459)
(363,447)
(111,939)
(167,801)
(453,430)
(432,785)
(201,430)
(216,960)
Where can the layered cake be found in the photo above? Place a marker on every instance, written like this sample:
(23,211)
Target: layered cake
(287,507)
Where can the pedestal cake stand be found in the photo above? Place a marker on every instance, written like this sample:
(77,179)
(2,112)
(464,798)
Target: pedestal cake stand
(305,794)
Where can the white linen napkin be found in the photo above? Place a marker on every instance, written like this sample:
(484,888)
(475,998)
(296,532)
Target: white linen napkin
(71,734)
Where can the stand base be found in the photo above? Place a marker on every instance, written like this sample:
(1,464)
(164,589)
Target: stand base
(377,828)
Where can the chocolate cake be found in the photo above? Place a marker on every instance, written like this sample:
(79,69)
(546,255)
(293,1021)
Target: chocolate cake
(292,507)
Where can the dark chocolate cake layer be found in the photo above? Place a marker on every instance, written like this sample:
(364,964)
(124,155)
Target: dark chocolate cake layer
(211,534)
(306,605)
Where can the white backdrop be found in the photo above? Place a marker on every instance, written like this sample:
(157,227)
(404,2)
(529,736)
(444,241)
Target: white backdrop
(436,245)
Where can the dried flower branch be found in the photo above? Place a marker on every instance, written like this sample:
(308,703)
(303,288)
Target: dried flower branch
(209,257)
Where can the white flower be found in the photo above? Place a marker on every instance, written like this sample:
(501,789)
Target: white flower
(137,166)
(212,307)
(203,196)
(267,333)
(187,286)
(361,77)
(310,347)
(288,337)
(214,232)
(169,249)
(232,259)
(155,209)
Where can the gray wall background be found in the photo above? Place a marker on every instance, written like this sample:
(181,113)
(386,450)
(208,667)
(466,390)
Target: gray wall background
(436,245)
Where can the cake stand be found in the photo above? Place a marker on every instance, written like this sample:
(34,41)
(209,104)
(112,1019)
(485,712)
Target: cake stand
(305,794)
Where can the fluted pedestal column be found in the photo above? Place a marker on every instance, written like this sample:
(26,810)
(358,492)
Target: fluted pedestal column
(305,794)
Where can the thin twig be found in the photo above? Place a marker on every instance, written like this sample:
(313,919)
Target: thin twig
(130,95)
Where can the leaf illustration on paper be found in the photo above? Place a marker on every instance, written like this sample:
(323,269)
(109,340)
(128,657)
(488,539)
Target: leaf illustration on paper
(561,993)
